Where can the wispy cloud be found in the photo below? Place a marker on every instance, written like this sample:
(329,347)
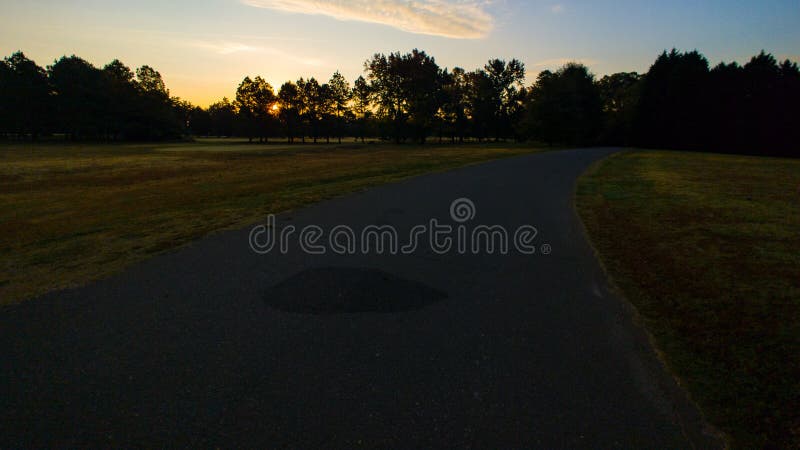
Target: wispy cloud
(557,63)
(459,19)
(230,48)
(557,8)
(225,48)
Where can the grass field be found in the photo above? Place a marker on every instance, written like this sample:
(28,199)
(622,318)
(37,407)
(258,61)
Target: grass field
(707,247)
(73,213)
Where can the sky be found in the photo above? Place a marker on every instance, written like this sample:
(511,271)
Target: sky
(204,48)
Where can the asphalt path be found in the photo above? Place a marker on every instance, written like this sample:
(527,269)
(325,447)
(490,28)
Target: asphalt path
(215,345)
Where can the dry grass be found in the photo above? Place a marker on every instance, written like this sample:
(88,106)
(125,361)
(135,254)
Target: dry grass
(707,247)
(73,213)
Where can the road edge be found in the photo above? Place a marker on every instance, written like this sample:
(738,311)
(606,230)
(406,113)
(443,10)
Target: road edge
(687,414)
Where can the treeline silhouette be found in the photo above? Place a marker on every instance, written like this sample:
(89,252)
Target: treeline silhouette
(76,99)
(680,103)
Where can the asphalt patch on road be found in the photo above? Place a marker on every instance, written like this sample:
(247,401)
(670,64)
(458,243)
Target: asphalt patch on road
(342,290)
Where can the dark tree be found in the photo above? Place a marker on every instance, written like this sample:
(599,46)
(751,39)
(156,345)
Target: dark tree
(6,99)
(223,116)
(25,98)
(422,81)
(81,105)
(481,103)
(362,103)
(620,96)
(507,85)
(122,98)
(157,118)
(254,101)
(74,98)
(150,81)
(199,121)
(407,90)
(565,107)
(762,100)
(726,115)
(787,110)
(313,102)
(672,107)
(455,104)
(339,96)
(326,112)
(291,106)
(183,111)
(750,109)
(386,85)
(678,104)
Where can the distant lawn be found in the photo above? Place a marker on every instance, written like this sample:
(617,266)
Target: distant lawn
(707,247)
(73,213)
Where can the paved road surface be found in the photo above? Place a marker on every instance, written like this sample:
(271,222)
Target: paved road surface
(205,347)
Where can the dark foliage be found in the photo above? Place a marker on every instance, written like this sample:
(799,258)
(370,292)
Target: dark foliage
(619,94)
(681,103)
(671,111)
(75,99)
(25,99)
(731,109)
(565,107)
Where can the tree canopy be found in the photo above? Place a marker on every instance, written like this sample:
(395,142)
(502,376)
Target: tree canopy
(681,103)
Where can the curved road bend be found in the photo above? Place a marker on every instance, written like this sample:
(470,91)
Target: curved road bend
(205,346)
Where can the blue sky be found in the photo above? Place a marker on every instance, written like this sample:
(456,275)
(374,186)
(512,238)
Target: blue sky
(203,48)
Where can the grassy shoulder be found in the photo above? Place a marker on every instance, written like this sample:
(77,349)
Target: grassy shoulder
(707,247)
(73,213)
